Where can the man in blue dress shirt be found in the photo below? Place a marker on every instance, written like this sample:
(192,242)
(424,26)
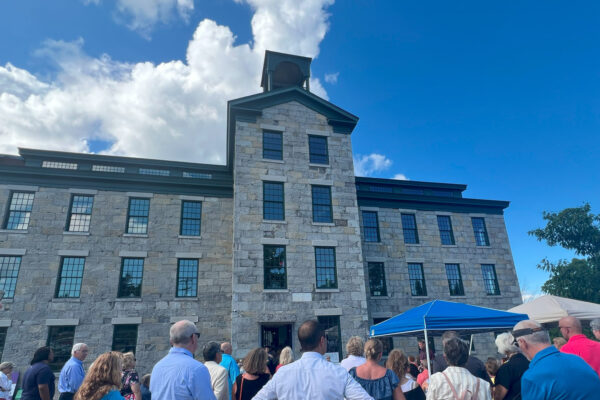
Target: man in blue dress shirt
(72,374)
(229,364)
(178,376)
(552,375)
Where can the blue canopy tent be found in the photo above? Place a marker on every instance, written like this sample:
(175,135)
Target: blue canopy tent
(438,316)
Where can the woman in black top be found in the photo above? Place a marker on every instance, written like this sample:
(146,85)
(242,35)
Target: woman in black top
(255,375)
(508,378)
(38,382)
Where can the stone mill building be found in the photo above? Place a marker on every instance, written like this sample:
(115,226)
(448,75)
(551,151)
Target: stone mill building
(112,250)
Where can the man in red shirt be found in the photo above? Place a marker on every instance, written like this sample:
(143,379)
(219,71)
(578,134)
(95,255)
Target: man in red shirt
(578,344)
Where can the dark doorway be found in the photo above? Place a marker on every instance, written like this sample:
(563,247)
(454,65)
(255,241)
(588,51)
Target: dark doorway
(276,336)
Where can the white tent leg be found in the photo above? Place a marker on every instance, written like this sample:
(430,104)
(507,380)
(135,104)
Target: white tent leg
(427,351)
(470,344)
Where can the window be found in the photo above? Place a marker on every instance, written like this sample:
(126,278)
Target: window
(187,277)
(370,226)
(137,219)
(455,283)
(9,271)
(60,338)
(191,217)
(317,148)
(388,342)
(445,225)
(125,338)
(321,202)
(3,332)
(70,277)
(157,172)
(331,324)
(108,168)
(80,213)
(377,279)
(273,201)
(326,271)
(272,145)
(59,165)
(409,227)
(130,282)
(19,211)
(275,268)
(490,280)
(480,231)
(417,279)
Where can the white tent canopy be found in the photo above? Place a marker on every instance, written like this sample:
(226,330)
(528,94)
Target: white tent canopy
(549,308)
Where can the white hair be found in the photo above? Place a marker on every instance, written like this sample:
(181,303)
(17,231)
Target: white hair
(182,331)
(505,342)
(77,347)
(595,324)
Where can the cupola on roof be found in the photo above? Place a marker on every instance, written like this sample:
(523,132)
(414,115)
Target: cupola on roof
(282,70)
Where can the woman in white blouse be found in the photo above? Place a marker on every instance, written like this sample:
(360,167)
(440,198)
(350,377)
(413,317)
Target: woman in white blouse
(6,369)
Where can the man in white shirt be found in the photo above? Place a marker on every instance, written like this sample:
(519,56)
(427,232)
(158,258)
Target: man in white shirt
(355,351)
(312,377)
(218,374)
(456,382)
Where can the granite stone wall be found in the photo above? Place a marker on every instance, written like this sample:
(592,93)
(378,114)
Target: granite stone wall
(35,308)
(252,304)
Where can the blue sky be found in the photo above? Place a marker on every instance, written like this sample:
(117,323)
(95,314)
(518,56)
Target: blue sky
(504,97)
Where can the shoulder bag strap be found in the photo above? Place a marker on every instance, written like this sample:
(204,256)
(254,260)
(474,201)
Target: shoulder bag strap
(451,386)
(241,388)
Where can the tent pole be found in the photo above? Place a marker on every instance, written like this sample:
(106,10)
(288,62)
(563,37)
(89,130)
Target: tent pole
(427,352)
(470,344)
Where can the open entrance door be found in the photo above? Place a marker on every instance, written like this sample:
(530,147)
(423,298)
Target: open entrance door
(276,336)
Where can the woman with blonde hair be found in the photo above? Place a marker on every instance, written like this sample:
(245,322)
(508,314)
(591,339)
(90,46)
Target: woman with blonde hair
(381,383)
(255,375)
(398,362)
(130,380)
(6,369)
(286,357)
(103,379)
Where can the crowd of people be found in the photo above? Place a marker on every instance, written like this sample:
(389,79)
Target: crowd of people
(532,368)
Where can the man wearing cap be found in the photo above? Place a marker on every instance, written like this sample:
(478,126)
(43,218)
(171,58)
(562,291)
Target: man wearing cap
(177,376)
(545,379)
(72,373)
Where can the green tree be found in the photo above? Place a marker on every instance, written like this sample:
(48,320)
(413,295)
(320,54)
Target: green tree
(579,230)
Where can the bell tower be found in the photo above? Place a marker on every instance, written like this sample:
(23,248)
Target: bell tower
(284,70)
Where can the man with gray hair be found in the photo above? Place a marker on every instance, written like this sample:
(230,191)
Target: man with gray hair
(178,376)
(72,373)
(218,374)
(545,378)
(578,343)
(229,363)
(474,365)
(595,326)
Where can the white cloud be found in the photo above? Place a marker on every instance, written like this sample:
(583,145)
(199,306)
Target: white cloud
(400,177)
(528,295)
(142,15)
(174,110)
(369,164)
(332,78)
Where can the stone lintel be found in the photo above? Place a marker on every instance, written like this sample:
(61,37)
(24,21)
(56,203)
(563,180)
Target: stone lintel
(5,323)
(13,252)
(273,178)
(140,194)
(24,188)
(192,318)
(381,314)
(318,133)
(271,127)
(329,243)
(126,321)
(281,241)
(74,253)
(83,191)
(376,209)
(322,312)
(191,198)
(321,182)
(415,260)
(375,259)
(180,254)
(136,254)
(62,322)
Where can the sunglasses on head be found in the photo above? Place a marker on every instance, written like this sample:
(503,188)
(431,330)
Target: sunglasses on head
(524,332)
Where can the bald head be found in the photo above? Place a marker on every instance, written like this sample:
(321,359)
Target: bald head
(569,326)
(226,348)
